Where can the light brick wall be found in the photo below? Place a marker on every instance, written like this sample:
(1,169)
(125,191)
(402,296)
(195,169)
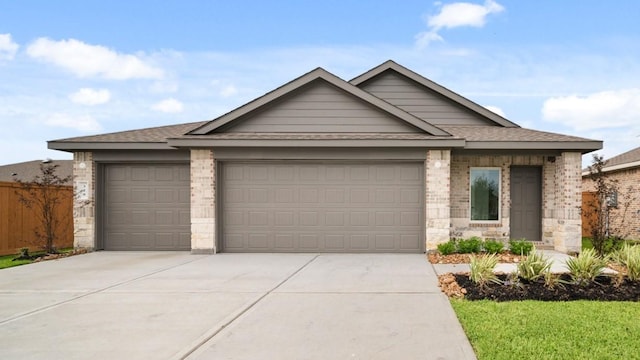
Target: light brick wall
(623,222)
(203,202)
(462,227)
(84,210)
(437,192)
(568,235)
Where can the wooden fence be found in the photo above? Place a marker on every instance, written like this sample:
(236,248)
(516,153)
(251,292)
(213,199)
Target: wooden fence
(19,223)
(588,199)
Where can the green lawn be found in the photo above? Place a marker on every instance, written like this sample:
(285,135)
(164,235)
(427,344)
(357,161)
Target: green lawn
(551,330)
(6,261)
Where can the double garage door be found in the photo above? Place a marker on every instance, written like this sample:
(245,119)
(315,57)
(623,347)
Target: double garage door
(269,207)
(321,207)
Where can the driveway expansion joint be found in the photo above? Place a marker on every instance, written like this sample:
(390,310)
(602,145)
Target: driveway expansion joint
(210,336)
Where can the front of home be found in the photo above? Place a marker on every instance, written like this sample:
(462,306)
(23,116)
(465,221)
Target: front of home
(386,162)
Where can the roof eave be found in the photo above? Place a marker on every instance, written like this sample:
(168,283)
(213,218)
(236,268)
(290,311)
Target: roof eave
(582,146)
(324,143)
(84,146)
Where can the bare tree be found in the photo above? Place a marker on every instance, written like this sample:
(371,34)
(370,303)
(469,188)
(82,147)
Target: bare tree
(43,195)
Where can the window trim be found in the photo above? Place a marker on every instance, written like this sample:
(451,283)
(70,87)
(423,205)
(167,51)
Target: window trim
(497,221)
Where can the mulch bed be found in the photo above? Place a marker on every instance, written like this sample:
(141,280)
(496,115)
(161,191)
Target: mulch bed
(437,258)
(605,288)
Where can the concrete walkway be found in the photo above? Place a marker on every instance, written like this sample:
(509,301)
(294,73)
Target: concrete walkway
(170,305)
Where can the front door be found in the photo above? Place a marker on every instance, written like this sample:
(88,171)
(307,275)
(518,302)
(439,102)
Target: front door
(526,202)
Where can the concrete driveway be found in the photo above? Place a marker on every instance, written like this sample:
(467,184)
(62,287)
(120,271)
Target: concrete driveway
(173,305)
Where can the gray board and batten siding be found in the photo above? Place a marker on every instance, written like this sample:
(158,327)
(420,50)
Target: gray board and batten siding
(421,102)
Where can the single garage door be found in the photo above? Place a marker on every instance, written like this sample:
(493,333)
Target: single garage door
(146,207)
(322,207)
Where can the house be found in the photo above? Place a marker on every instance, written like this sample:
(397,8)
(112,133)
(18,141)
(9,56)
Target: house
(624,218)
(27,171)
(387,162)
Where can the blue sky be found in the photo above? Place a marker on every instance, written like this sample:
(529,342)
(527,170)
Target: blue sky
(74,68)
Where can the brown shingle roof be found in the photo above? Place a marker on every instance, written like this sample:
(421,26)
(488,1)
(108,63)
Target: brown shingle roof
(27,171)
(625,158)
(495,133)
(149,135)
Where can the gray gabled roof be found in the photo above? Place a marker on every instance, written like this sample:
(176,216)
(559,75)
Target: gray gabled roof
(315,75)
(392,65)
(504,135)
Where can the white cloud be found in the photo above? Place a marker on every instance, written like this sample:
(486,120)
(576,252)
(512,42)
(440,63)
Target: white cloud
(228,91)
(606,109)
(8,48)
(170,105)
(88,96)
(457,15)
(84,123)
(496,110)
(85,60)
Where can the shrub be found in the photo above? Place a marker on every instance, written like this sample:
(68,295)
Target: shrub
(629,256)
(493,246)
(585,268)
(447,248)
(534,266)
(520,246)
(482,269)
(470,245)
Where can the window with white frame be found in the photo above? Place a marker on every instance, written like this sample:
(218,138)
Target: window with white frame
(484,194)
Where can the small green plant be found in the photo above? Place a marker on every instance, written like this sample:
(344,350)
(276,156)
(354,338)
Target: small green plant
(520,246)
(629,257)
(447,248)
(472,245)
(493,246)
(534,266)
(586,267)
(482,269)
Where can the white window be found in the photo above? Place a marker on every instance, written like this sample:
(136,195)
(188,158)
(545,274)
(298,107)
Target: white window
(484,194)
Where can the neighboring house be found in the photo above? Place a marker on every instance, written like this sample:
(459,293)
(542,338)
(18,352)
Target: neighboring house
(27,171)
(625,169)
(387,162)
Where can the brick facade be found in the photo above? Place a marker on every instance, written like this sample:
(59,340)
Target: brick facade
(84,207)
(438,192)
(625,220)
(560,198)
(203,202)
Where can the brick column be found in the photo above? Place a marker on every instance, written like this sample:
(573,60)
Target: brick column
(568,235)
(437,197)
(203,202)
(84,205)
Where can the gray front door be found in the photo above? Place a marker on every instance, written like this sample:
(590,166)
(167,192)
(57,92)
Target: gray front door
(526,202)
(146,207)
(322,207)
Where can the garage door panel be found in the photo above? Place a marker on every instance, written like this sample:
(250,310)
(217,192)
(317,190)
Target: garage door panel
(321,207)
(146,207)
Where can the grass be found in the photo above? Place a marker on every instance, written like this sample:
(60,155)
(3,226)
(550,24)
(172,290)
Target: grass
(6,261)
(551,330)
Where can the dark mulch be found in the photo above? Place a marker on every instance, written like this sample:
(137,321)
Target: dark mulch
(605,288)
